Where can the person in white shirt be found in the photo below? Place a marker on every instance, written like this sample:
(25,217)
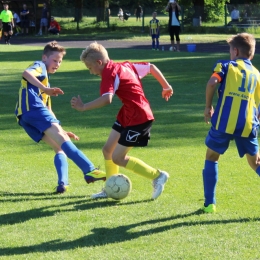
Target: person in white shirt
(234,15)
(121,14)
(174,10)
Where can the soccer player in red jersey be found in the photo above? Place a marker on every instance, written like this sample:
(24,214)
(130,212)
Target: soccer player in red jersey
(135,118)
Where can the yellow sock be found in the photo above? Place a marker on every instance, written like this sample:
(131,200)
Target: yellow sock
(138,166)
(111,168)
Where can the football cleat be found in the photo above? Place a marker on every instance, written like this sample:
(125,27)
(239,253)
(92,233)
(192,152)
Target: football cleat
(61,188)
(100,195)
(95,175)
(158,184)
(211,208)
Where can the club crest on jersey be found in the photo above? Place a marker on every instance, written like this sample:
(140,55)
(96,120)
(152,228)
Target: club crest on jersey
(132,136)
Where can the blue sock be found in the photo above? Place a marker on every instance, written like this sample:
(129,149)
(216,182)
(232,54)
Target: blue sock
(78,157)
(61,165)
(153,44)
(157,43)
(258,170)
(210,179)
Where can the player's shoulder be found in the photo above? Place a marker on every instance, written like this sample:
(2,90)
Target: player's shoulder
(224,63)
(37,65)
(221,65)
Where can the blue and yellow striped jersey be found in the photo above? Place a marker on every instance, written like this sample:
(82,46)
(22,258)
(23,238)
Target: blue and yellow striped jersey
(31,97)
(239,97)
(154,26)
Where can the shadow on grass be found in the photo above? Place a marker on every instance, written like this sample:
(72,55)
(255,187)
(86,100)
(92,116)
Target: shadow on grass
(80,204)
(105,236)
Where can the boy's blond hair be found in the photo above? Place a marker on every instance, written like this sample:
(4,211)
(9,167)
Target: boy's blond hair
(53,46)
(93,52)
(245,42)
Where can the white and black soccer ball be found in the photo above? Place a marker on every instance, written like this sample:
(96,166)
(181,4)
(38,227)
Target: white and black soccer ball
(118,186)
(171,48)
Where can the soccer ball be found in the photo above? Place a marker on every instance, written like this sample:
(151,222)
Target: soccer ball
(171,48)
(118,186)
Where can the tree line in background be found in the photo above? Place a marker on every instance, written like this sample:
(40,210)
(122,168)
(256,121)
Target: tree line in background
(208,10)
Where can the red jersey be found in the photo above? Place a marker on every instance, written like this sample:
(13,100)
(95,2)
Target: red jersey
(55,24)
(123,80)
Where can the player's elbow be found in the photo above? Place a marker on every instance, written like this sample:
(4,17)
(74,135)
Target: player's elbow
(152,68)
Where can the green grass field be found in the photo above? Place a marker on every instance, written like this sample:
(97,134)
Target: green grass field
(37,224)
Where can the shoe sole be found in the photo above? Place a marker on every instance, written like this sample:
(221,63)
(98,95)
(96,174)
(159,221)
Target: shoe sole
(90,179)
(96,198)
(158,193)
(209,211)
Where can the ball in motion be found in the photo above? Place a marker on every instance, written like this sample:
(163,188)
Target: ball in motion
(118,186)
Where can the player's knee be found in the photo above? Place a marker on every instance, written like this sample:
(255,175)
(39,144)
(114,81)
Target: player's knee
(119,160)
(106,151)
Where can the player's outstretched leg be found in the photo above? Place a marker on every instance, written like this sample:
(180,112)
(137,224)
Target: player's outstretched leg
(159,178)
(210,178)
(61,165)
(91,174)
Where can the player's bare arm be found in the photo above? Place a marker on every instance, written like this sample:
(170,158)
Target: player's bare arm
(34,81)
(167,91)
(78,104)
(210,91)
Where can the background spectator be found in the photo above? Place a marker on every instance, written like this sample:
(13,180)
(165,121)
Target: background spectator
(7,23)
(44,19)
(17,23)
(234,15)
(174,23)
(120,14)
(138,12)
(54,27)
(24,15)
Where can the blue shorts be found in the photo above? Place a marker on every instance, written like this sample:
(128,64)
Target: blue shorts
(44,22)
(35,122)
(155,36)
(219,143)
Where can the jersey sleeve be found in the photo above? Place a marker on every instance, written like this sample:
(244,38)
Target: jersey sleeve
(107,85)
(220,70)
(142,68)
(37,69)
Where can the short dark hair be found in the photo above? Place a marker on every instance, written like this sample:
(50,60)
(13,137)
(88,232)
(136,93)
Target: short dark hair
(53,46)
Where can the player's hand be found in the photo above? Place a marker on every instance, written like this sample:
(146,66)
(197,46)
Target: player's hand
(53,91)
(77,103)
(72,135)
(208,113)
(167,93)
